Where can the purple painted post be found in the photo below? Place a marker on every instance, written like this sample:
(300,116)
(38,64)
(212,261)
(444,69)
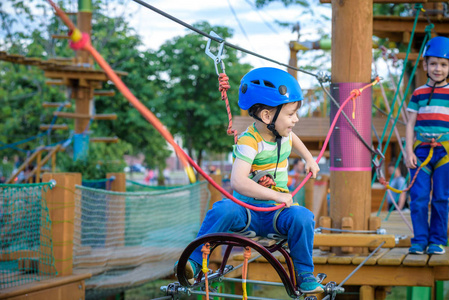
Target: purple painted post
(347,152)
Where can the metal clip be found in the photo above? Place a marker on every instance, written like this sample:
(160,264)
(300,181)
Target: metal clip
(323,77)
(217,58)
(378,162)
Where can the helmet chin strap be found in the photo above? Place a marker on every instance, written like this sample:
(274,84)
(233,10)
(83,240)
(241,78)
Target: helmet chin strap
(433,87)
(272,128)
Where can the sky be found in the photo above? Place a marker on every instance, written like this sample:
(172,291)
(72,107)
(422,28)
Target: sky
(254,29)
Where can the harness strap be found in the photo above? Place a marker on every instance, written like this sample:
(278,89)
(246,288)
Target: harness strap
(441,162)
(445,159)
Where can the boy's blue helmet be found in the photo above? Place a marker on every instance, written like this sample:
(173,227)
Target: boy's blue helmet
(437,47)
(269,86)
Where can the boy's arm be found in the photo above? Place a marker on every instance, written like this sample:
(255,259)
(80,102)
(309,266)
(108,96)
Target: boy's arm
(300,149)
(410,160)
(242,184)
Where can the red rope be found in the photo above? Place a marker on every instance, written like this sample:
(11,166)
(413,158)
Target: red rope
(385,183)
(223,81)
(164,132)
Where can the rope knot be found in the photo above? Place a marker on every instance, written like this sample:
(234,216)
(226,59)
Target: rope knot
(247,253)
(78,43)
(266,181)
(223,82)
(433,143)
(356,92)
(206,249)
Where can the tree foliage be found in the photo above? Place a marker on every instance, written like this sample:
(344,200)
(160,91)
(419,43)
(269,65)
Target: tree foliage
(177,82)
(190,103)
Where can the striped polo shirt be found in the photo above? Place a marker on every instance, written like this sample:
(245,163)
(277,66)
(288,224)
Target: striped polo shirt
(262,155)
(432,118)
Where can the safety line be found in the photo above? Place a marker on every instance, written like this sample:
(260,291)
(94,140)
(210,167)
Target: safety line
(143,3)
(409,48)
(82,41)
(426,37)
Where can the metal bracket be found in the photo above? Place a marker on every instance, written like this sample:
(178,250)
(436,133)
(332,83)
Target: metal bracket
(217,58)
(324,77)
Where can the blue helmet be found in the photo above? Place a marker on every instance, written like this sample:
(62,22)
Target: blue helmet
(437,47)
(269,86)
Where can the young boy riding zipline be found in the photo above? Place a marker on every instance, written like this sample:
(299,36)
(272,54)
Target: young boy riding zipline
(272,97)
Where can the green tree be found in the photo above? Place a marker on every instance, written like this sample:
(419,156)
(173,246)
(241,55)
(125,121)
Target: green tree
(23,88)
(190,103)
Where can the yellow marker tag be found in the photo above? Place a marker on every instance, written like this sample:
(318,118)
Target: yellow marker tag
(76,35)
(190,174)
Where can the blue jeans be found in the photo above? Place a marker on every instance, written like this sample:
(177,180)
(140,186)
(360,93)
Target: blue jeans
(296,222)
(436,231)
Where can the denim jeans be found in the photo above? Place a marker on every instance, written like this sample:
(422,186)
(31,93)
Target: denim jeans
(295,222)
(436,231)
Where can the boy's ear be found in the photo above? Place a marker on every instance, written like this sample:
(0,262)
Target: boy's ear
(424,64)
(265,116)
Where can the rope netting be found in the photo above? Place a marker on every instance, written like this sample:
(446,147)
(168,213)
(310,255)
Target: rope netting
(126,239)
(26,246)
(134,186)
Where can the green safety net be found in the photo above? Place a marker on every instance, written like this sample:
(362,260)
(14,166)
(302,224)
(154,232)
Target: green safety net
(26,246)
(127,239)
(134,186)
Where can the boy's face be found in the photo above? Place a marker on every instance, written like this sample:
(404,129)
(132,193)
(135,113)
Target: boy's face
(437,68)
(287,118)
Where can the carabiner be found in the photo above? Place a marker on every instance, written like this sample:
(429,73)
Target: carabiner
(217,58)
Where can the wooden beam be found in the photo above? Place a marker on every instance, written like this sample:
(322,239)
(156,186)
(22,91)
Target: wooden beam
(24,165)
(54,127)
(402,24)
(69,115)
(54,82)
(108,93)
(353,240)
(105,117)
(56,104)
(412,56)
(42,162)
(104,140)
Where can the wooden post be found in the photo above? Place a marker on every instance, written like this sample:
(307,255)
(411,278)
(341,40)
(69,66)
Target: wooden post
(325,222)
(61,206)
(293,60)
(366,292)
(347,224)
(352,28)
(38,167)
(84,93)
(116,219)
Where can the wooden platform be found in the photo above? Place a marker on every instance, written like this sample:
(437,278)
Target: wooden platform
(388,267)
(60,288)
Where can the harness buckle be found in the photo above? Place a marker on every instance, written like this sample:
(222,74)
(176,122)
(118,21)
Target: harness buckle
(217,58)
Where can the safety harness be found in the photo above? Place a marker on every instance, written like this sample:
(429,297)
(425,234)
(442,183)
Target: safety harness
(272,128)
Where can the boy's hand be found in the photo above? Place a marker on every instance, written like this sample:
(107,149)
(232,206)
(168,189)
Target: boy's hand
(411,160)
(285,198)
(312,166)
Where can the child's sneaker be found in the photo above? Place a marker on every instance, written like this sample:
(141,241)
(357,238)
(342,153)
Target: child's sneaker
(192,270)
(416,249)
(308,284)
(435,249)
